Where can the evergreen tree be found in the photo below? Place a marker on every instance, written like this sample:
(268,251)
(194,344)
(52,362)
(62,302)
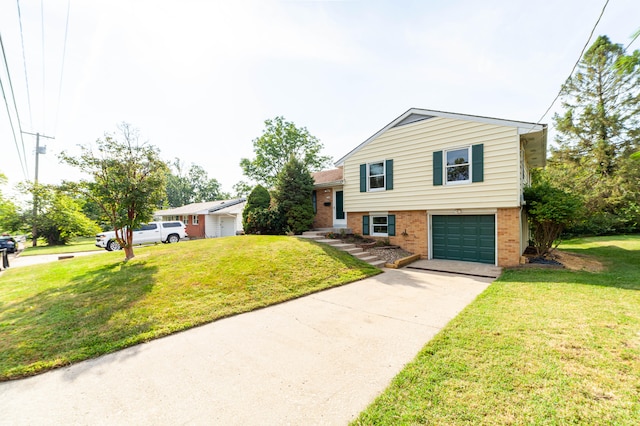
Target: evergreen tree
(597,134)
(293,195)
(258,199)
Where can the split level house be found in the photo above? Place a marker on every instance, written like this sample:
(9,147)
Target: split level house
(212,219)
(439,184)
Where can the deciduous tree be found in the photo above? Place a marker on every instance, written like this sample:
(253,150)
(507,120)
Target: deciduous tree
(194,186)
(550,210)
(10,220)
(60,217)
(128,180)
(280,141)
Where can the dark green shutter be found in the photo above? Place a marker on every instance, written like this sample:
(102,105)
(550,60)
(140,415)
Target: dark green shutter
(477,163)
(365,225)
(388,181)
(314,201)
(391,225)
(339,205)
(437,168)
(363,178)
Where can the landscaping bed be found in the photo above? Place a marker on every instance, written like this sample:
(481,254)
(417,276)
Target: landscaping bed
(381,248)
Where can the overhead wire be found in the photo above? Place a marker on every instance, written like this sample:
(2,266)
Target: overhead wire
(6,102)
(635,36)
(15,105)
(43,67)
(64,53)
(576,64)
(24,62)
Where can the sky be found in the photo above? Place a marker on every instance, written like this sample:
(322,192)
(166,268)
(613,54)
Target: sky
(198,78)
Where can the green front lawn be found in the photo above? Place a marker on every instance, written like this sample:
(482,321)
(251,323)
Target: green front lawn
(538,346)
(58,313)
(75,246)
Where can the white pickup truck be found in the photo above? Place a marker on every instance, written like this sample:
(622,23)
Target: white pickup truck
(152,232)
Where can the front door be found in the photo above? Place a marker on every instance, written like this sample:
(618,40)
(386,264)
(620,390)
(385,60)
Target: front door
(339,216)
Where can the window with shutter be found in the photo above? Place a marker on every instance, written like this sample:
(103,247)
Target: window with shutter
(376,176)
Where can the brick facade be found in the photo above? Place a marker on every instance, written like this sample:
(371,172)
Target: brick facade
(509,237)
(412,233)
(411,230)
(195,231)
(324,214)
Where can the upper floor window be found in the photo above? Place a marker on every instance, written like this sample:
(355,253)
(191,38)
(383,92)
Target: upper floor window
(457,165)
(376,176)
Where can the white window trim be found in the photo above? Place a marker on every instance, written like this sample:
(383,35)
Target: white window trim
(446,167)
(194,219)
(384,175)
(378,214)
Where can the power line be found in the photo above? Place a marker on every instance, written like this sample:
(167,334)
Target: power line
(636,35)
(15,105)
(64,54)
(43,65)
(576,64)
(24,62)
(13,130)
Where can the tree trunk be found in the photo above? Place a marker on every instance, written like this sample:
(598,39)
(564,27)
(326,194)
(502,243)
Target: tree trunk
(128,253)
(128,247)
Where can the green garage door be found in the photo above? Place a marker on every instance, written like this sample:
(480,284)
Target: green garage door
(468,238)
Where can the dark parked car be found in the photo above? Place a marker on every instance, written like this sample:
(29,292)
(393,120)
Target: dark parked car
(8,243)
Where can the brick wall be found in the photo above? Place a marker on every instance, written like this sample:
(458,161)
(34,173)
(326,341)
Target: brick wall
(324,214)
(509,237)
(415,224)
(411,230)
(196,231)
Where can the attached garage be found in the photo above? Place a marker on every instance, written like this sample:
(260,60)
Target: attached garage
(470,238)
(227,226)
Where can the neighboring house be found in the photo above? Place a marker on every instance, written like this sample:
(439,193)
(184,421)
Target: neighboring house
(210,219)
(438,184)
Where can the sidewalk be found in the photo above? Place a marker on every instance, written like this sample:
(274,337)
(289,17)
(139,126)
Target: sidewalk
(320,359)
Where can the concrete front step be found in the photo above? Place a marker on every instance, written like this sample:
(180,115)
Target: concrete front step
(344,246)
(312,236)
(320,237)
(329,241)
(361,254)
(369,259)
(353,251)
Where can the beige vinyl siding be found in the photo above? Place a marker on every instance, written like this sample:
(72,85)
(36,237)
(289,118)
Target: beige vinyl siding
(411,148)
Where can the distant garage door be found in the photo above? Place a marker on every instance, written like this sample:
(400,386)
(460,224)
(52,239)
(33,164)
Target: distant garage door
(467,238)
(227,226)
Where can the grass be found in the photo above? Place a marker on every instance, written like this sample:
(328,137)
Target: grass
(77,245)
(58,313)
(538,346)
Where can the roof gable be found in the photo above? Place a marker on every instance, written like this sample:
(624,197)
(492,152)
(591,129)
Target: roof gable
(416,114)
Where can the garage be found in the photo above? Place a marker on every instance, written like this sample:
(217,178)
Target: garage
(227,226)
(470,238)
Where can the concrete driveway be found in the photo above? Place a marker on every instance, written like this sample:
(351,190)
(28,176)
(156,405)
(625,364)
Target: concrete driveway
(320,359)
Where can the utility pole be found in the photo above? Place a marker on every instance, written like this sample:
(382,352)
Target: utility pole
(39,150)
